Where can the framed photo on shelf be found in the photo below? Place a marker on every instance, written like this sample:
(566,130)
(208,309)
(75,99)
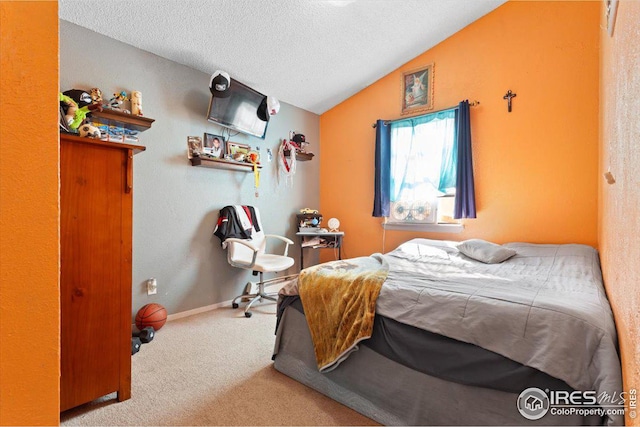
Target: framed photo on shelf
(238,151)
(194,145)
(417,90)
(214,145)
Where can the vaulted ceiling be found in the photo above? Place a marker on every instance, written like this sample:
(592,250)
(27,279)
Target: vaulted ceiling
(309,53)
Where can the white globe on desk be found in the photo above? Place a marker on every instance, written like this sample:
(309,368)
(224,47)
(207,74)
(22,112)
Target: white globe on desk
(333,224)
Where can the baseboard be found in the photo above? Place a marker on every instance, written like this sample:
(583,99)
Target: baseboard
(198,310)
(191,312)
(251,288)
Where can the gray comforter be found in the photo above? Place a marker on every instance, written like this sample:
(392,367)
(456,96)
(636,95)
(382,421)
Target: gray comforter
(545,308)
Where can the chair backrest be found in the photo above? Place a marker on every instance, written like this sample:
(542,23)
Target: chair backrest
(238,253)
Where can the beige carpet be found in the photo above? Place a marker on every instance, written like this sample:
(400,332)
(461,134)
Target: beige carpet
(214,368)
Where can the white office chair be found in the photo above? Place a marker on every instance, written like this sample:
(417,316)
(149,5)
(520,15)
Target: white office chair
(249,254)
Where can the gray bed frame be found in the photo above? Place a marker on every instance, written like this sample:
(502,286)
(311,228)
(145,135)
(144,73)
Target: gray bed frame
(393,394)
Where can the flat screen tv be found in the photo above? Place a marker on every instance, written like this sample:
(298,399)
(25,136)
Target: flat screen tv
(239,111)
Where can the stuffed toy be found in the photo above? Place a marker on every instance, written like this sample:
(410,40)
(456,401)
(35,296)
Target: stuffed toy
(96,96)
(74,114)
(80,96)
(89,131)
(69,107)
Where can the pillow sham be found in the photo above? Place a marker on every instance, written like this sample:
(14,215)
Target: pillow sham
(484,251)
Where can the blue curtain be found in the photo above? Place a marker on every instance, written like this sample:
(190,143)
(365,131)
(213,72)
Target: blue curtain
(465,205)
(449,166)
(382,183)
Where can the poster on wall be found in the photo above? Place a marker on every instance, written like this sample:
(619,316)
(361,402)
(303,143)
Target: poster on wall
(417,90)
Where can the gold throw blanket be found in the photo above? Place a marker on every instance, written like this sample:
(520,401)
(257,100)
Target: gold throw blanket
(339,300)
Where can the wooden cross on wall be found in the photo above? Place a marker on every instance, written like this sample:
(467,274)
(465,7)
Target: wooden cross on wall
(508,97)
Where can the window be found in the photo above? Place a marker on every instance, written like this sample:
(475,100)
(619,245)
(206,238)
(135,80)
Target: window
(423,154)
(423,167)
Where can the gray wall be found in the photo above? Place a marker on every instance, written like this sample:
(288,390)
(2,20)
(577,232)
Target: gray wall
(175,204)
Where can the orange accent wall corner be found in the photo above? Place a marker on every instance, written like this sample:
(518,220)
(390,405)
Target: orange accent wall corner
(619,203)
(535,168)
(29,214)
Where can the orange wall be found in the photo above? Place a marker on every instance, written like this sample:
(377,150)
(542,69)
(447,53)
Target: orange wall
(535,168)
(619,204)
(29,254)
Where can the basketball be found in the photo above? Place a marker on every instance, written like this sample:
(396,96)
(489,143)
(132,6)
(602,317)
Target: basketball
(153,315)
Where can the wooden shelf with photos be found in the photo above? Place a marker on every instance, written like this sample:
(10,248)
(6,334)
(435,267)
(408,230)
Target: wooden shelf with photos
(211,153)
(211,162)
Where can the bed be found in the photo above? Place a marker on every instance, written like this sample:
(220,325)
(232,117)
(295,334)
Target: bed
(455,341)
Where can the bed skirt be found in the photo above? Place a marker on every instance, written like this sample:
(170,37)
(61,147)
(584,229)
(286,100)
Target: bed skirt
(393,394)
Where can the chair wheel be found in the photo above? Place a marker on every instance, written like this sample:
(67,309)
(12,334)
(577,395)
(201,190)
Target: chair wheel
(248,314)
(234,305)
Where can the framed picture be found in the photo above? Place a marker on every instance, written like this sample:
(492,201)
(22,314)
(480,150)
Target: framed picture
(417,90)
(214,146)
(610,10)
(194,145)
(237,151)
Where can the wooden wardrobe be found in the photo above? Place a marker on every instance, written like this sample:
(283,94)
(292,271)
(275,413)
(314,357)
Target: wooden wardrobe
(96,195)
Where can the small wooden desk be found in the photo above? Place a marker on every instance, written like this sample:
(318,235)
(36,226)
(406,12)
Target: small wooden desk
(327,240)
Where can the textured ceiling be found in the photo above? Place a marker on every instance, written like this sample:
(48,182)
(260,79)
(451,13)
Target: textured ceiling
(309,53)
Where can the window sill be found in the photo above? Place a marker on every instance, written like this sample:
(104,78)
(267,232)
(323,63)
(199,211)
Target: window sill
(437,228)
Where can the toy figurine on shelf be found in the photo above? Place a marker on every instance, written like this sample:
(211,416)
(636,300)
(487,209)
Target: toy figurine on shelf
(96,96)
(74,114)
(115,103)
(136,103)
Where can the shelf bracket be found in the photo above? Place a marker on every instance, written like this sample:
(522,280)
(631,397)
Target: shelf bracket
(129,174)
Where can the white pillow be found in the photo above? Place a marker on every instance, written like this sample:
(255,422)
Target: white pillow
(484,251)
